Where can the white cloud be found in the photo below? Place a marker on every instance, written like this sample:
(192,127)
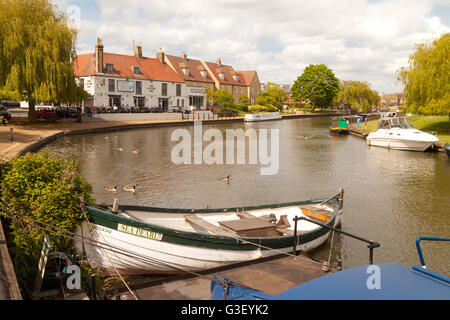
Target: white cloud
(358,40)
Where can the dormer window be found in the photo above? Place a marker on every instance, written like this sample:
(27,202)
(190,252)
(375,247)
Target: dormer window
(222,75)
(185,71)
(203,73)
(235,77)
(136,70)
(109,67)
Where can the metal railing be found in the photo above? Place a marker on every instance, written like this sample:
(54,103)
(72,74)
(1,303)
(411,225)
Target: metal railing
(419,250)
(372,244)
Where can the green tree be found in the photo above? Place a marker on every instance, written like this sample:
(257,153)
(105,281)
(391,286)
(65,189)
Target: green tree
(274,95)
(37,50)
(317,84)
(222,100)
(357,94)
(427,78)
(47,189)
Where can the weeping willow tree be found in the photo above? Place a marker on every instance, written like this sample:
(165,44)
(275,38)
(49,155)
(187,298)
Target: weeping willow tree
(357,94)
(427,78)
(37,50)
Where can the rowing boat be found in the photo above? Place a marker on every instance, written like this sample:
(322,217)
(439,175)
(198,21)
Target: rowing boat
(147,240)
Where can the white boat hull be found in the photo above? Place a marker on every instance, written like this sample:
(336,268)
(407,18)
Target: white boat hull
(255,117)
(401,139)
(146,256)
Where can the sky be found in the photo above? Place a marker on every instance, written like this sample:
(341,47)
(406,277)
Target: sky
(364,40)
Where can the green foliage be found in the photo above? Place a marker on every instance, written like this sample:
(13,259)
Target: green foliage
(37,49)
(261,108)
(273,95)
(357,95)
(427,78)
(46,189)
(317,85)
(244,100)
(222,100)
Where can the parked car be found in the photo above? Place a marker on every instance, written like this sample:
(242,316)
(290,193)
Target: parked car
(181,110)
(4,112)
(46,113)
(67,112)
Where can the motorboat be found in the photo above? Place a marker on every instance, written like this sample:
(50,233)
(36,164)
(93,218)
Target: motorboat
(398,133)
(253,117)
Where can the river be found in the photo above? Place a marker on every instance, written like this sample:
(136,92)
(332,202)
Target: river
(391,196)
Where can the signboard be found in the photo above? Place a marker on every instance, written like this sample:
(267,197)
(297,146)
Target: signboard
(125,86)
(197,90)
(42,264)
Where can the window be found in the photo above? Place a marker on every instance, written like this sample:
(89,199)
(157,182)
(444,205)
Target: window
(109,67)
(138,87)
(178,89)
(222,75)
(235,77)
(81,83)
(136,70)
(203,73)
(186,71)
(112,85)
(164,89)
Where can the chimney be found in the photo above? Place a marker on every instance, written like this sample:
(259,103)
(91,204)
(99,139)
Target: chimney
(160,56)
(138,51)
(99,56)
(219,63)
(184,55)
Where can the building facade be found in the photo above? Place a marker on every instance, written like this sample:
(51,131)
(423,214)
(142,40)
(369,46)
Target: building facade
(129,81)
(195,75)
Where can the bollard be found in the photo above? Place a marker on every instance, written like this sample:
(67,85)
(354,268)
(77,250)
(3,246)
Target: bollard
(11,134)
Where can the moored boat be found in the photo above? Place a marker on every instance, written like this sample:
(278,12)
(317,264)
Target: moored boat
(398,133)
(447,149)
(339,126)
(254,117)
(386,281)
(144,240)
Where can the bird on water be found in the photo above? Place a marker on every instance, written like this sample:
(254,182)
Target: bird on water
(111,189)
(129,188)
(227,178)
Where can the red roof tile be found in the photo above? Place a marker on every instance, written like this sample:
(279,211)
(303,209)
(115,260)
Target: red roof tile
(150,68)
(195,66)
(228,72)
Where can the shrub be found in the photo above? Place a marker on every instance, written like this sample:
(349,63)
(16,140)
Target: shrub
(46,189)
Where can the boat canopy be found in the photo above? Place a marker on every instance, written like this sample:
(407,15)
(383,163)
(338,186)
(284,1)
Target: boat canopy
(399,122)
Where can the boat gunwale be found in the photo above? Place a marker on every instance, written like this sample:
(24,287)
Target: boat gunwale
(213,240)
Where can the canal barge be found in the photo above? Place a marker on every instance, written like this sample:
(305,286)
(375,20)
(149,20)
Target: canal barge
(386,281)
(255,117)
(339,126)
(146,240)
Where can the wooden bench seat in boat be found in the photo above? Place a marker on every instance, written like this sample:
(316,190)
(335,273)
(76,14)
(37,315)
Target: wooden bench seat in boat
(205,226)
(316,213)
(280,227)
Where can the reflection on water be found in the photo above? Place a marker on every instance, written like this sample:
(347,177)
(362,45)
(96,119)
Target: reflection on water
(391,196)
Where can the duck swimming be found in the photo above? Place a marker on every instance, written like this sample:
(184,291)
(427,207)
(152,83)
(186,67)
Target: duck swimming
(228,178)
(129,188)
(111,189)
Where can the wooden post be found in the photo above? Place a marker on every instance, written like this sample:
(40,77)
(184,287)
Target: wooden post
(11,134)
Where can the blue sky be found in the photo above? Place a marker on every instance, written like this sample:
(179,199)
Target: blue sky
(358,39)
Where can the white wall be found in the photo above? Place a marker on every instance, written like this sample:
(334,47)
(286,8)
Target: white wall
(97,86)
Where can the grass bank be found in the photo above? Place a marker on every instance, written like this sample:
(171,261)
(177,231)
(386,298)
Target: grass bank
(433,124)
